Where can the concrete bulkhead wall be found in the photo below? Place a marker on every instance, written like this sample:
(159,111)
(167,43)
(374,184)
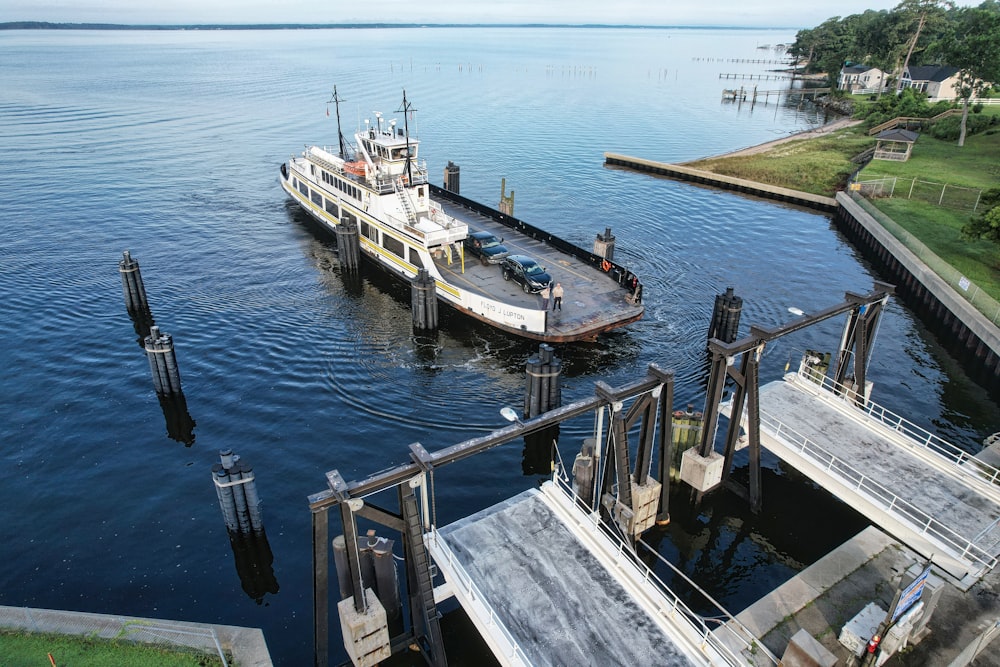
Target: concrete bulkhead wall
(960,328)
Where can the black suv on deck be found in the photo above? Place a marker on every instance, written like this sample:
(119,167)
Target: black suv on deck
(526,271)
(486,247)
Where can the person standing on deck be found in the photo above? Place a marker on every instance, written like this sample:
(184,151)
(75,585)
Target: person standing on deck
(557,295)
(546,295)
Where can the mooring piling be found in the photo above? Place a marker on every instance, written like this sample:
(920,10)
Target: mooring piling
(542,391)
(451,177)
(604,244)
(726,316)
(377,569)
(348,245)
(162,362)
(424,303)
(135,291)
(236,489)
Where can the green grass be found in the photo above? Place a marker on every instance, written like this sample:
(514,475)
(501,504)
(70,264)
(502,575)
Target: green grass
(939,229)
(820,166)
(32,650)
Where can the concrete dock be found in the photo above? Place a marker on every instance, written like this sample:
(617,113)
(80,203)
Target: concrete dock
(681,172)
(827,595)
(246,645)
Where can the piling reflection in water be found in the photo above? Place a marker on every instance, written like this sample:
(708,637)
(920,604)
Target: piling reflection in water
(254,564)
(537,457)
(180,425)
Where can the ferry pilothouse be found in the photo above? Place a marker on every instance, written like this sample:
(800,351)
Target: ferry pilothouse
(405,224)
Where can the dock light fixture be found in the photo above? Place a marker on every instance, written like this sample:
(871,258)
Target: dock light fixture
(510,415)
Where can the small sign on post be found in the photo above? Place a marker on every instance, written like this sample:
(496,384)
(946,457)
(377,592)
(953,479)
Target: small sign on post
(911,594)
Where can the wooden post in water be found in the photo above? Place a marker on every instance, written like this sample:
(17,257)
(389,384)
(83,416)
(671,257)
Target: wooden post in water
(506,201)
(348,245)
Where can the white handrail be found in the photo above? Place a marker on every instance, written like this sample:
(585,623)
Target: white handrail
(920,437)
(906,511)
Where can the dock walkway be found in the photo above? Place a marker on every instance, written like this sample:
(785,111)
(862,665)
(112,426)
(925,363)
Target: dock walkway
(939,501)
(552,589)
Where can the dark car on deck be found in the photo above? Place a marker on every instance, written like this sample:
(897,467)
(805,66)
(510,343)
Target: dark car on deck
(525,270)
(488,248)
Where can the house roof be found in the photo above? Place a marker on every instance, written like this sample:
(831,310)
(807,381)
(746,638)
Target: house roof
(897,134)
(857,69)
(936,73)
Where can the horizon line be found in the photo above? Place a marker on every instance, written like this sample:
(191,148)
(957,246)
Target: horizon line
(75,25)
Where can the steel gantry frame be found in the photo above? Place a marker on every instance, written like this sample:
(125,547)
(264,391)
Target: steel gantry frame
(856,343)
(653,395)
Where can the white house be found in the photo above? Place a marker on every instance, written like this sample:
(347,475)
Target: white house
(861,78)
(940,82)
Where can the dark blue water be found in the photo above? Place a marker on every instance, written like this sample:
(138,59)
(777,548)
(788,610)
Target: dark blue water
(168,144)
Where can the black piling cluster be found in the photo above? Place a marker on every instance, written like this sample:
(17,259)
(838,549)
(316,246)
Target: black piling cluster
(135,291)
(237,491)
(451,177)
(163,362)
(726,317)
(423,290)
(542,391)
(348,245)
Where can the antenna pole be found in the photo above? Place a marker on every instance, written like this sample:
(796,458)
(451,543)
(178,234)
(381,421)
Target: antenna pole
(340,135)
(405,109)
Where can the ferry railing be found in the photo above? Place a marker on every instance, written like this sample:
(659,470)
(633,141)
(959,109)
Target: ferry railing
(917,436)
(922,522)
(672,606)
(511,648)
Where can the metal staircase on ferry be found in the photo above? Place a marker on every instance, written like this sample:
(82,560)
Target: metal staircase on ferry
(404,199)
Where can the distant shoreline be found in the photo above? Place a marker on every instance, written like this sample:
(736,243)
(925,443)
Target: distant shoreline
(44,25)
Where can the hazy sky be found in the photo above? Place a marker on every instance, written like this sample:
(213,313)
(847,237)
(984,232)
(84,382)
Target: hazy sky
(744,13)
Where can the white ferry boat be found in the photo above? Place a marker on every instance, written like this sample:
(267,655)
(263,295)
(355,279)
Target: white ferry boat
(405,224)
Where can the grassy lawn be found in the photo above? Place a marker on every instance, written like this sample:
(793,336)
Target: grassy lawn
(820,166)
(938,229)
(33,649)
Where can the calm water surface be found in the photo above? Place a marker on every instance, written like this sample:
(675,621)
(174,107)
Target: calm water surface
(168,144)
